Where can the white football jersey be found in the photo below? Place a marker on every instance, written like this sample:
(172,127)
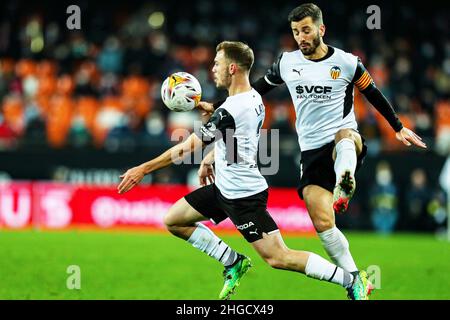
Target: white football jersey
(322,93)
(235,127)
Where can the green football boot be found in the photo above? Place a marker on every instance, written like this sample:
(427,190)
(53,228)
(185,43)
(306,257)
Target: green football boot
(232,276)
(360,288)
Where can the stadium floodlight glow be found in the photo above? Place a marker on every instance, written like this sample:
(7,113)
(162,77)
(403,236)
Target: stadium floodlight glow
(33,28)
(156,20)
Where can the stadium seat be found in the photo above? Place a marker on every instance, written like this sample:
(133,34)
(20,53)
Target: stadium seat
(13,113)
(58,120)
(25,67)
(87,108)
(135,87)
(442,116)
(47,85)
(390,142)
(46,68)
(113,102)
(65,85)
(7,66)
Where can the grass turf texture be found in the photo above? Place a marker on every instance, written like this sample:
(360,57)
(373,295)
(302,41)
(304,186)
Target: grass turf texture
(126,265)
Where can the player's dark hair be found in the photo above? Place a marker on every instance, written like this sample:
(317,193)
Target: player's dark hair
(237,52)
(306,10)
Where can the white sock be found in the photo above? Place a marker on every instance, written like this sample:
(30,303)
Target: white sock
(205,240)
(337,247)
(319,268)
(346,158)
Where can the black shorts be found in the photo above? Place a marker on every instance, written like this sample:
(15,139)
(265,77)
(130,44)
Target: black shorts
(248,214)
(317,167)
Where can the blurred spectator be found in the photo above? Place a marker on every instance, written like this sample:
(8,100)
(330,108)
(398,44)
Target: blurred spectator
(155,128)
(109,84)
(110,59)
(383,200)
(280,118)
(437,210)
(418,196)
(79,135)
(166,176)
(7,136)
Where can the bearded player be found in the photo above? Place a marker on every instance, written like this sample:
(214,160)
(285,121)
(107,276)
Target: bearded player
(320,79)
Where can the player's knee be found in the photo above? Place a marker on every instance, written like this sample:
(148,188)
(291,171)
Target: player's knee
(171,222)
(342,134)
(168,220)
(178,231)
(348,134)
(171,226)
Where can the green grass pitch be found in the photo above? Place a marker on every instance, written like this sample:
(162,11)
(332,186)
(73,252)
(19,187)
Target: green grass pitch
(127,265)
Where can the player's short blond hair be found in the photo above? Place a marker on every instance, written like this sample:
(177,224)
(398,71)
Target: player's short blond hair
(238,52)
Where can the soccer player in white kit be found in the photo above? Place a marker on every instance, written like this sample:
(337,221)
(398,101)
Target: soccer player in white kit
(239,191)
(320,79)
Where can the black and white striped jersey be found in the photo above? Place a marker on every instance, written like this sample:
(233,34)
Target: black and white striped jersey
(235,127)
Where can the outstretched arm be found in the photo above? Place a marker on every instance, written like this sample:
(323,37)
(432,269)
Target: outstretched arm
(366,85)
(178,152)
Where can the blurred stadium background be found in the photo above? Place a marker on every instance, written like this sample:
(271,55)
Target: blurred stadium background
(79,107)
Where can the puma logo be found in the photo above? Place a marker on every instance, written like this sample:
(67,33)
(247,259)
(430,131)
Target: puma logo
(298,71)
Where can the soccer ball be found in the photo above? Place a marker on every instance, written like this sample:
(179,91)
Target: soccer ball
(181,91)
